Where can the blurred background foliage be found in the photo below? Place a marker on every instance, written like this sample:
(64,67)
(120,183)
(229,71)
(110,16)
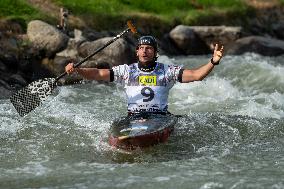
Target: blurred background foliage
(154,16)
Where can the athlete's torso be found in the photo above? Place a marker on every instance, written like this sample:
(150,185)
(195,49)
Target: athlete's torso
(147,91)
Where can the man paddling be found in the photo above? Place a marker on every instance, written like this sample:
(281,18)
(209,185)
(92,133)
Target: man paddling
(147,82)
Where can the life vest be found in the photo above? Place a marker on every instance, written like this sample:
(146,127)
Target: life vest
(147,91)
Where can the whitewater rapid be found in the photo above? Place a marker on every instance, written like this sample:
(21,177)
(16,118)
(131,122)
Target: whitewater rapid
(230,134)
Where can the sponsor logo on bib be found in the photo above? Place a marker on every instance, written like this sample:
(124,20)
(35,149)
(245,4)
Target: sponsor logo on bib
(148,80)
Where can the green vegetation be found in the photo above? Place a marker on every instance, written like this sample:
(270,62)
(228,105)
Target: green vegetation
(19,9)
(165,8)
(167,11)
(155,16)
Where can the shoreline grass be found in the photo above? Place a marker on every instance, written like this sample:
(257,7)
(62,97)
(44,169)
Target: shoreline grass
(154,15)
(168,11)
(19,9)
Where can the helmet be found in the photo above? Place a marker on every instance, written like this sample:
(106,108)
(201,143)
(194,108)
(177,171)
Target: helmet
(148,40)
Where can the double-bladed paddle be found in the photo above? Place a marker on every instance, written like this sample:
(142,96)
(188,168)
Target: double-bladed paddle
(28,98)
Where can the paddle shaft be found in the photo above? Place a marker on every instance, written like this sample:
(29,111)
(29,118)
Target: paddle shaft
(32,96)
(97,51)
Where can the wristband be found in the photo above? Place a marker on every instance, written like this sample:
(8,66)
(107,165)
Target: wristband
(214,63)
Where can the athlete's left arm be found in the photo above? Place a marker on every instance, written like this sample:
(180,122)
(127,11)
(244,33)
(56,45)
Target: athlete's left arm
(200,73)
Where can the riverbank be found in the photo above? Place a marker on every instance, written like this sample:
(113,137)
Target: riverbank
(150,16)
(155,17)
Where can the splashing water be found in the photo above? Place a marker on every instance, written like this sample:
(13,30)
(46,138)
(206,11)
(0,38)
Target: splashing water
(230,135)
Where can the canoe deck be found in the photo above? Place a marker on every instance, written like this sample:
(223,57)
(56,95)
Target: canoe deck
(140,131)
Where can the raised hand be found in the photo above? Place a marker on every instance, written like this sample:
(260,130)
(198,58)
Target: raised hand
(218,53)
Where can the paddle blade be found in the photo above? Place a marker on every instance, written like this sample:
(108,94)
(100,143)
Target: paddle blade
(131,27)
(32,96)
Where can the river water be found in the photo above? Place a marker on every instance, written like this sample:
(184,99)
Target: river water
(230,135)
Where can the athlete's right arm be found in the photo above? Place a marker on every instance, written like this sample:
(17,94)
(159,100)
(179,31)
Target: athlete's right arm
(89,73)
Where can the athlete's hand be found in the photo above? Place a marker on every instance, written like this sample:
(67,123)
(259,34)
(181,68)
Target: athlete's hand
(69,69)
(218,53)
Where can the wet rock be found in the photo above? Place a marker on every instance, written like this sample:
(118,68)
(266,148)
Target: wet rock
(257,44)
(10,61)
(188,41)
(278,29)
(17,78)
(9,52)
(9,83)
(3,67)
(168,46)
(46,37)
(71,50)
(119,52)
(92,35)
(59,63)
(201,39)
(222,34)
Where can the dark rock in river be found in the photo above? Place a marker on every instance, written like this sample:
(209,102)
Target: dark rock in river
(188,41)
(194,40)
(278,29)
(46,37)
(257,44)
(119,52)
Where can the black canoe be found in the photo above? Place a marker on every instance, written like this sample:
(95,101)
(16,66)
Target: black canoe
(142,130)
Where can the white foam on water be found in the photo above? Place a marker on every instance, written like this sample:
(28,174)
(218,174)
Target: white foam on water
(8,126)
(10,121)
(165,59)
(211,95)
(255,109)
(162,179)
(241,85)
(31,168)
(69,132)
(211,185)
(253,73)
(211,90)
